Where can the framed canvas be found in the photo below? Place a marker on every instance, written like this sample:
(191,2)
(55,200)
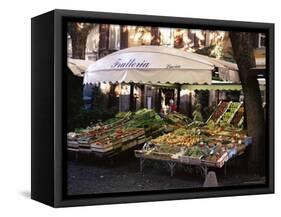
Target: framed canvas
(134,108)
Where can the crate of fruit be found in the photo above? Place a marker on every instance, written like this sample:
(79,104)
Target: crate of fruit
(116,143)
(126,138)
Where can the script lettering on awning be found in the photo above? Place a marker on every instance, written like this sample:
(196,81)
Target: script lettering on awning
(132,63)
(170,66)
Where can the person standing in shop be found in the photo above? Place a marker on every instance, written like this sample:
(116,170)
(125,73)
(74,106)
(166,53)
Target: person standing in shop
(172,106)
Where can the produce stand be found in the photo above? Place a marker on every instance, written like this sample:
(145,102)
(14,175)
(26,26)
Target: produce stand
(201,145)
(125,131)
(153,65)
(202,164)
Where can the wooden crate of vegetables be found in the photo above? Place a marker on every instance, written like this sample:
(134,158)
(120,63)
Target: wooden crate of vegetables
(72,142)
(192,155)
(219,111)
(164,152)
(238,118)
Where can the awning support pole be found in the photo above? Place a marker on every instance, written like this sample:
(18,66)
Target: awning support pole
(190,104)
(178,97)
(142,95)
(132,100)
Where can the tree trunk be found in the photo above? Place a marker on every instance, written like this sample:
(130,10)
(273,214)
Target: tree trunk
(112,95)
(79,45)
(79,33)
(103,40)
(155,36)
(217,95)
(124,39)
(243,50)
(159,100)
(142,95)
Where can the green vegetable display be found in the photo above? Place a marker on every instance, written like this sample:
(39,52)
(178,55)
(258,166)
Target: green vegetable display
(167,149)
(229,113)
(145,118)
(194,151)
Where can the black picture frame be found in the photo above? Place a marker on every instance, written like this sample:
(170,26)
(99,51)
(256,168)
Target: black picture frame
(48,107)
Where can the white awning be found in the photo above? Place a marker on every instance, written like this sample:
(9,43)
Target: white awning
(222,85)
(78,66)
(153,64)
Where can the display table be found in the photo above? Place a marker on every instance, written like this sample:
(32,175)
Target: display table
(199,163)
